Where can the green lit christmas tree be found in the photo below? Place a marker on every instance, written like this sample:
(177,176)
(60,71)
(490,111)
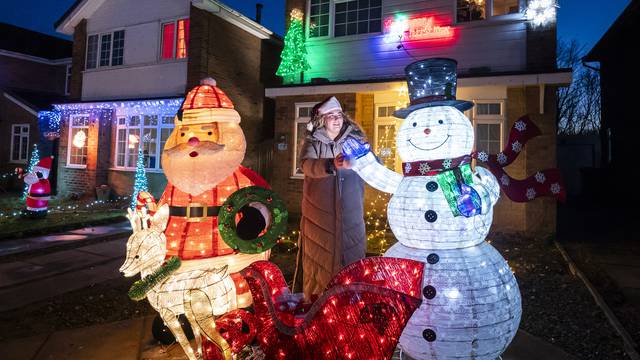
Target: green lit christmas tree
(140,181)
(35,158)
(294,54)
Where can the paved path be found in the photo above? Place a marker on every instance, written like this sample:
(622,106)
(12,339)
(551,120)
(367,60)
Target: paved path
(37,278)
(132,340)
(69,238)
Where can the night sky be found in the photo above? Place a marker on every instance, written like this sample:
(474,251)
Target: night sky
(583,20)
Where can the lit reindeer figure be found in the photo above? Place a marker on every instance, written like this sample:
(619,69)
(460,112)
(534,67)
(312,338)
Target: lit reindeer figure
(199,294)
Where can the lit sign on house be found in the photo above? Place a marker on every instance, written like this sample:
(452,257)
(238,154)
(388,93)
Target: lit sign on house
(419,28)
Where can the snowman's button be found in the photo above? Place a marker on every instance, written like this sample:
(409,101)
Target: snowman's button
(433,258)
(430,216)
(432,186)
(429,292)
(429,335)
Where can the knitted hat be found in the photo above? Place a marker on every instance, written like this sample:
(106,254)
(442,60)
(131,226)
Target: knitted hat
(206,103)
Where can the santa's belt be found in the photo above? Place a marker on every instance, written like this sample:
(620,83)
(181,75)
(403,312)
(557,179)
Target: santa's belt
(39,195)
(193,212)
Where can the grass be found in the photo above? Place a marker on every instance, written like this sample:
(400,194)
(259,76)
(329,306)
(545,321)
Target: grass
(63,215)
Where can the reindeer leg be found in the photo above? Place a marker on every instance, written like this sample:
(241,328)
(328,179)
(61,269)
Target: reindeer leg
(174,325)
(199,310)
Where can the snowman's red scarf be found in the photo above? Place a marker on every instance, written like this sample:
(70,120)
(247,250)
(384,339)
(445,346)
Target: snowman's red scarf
(543,183)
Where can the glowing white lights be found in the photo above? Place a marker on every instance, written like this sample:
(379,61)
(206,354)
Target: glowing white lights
(541,12)
(79,139)
(471,303)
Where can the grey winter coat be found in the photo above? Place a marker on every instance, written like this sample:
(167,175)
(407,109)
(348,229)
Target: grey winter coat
(332,231)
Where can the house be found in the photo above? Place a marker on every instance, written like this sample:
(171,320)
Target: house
(34,73)
(506,65)
(133,61)
(619,74)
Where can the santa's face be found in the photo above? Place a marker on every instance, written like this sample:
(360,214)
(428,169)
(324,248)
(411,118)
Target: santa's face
(197,157)
(439,132)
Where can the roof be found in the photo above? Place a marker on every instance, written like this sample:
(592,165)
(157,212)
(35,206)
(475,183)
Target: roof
(29,42)
(34,100)
(618,33)
(86,7)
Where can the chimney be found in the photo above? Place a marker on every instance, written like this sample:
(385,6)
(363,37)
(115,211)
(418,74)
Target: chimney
(258,12)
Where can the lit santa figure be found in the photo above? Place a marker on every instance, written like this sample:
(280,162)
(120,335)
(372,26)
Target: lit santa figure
(39,191)
(441,211)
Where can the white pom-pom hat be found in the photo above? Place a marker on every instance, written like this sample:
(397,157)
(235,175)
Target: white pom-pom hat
(207,103)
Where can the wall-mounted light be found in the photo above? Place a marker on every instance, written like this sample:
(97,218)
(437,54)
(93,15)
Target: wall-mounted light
(541,12)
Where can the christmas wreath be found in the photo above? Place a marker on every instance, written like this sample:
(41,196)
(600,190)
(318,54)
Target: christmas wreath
(241,201)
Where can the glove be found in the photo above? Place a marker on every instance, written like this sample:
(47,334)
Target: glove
(355,149)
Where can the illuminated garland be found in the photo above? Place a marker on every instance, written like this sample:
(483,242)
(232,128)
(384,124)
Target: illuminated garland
(140,288)
(140,181)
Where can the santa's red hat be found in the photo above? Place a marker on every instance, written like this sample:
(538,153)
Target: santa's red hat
(207,103)
(44,166)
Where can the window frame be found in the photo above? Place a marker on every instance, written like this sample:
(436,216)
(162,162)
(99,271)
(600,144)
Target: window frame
(488,13)
(386,121)
(332,22)
(22,138)
(141,128)
(67,80)
(490,119)
(298,120)
(70,139)
(98,54)
(174,51)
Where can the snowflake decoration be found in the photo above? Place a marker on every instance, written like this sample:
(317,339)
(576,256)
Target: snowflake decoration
(520,125)
(504,179)
(531,193)
(483,156)
(385,152)
(540,177)
(555,188)
(446,163)
(516,146)
(424,168)
(502,158)
(407,167)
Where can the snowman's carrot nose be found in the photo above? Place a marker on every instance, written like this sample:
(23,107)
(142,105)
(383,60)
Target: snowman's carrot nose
(427,131)
(194,141)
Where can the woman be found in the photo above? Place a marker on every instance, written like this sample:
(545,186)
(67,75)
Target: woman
(332,232)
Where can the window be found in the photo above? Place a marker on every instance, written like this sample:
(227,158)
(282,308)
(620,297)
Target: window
(105,50)
(78,136)
(503,7)
(149,131)
(67,82)
(319,18)
(357,17)
(303,116)
(19,143)
(470,10)
(488,119)
(385,137)
(175,39)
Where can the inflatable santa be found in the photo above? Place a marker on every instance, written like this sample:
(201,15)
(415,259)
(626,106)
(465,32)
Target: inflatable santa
(39,191)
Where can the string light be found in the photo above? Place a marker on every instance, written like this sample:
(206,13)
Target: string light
(294,55)
(140,181)
(35,158)
(541,12)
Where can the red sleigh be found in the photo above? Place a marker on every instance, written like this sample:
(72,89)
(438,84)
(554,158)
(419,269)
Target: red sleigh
(360,315)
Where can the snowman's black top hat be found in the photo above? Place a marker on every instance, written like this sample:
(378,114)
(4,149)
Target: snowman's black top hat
(432,82)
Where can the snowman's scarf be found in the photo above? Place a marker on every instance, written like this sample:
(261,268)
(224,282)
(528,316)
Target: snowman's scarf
(543,183)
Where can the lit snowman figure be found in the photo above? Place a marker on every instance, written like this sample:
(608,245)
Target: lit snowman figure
(440,212)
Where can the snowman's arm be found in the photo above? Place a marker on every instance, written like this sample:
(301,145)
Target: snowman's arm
(487,187)
(376,174)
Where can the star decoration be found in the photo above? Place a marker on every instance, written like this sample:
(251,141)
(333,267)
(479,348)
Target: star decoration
(424,168)
(531,193)
(520,125)
(407,167)
(502,158)
(446,163)
(555,188)
(540,177)
(483,156)
(516,146)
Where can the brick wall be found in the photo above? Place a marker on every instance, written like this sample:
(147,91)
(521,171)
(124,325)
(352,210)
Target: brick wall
(78,54)
(82,182)
(240,63)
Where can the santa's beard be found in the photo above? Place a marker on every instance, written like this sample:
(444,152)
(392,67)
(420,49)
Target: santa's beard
(196,174)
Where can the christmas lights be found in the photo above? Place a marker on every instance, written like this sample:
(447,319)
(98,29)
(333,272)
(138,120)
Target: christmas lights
(294,54)
(35,157)
(140,181)
(541,12)
(199,294)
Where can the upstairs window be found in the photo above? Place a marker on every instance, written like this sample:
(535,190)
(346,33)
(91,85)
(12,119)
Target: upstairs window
(175,39)
(358,17)
(504,7)
(105,49)
(470,10)
(319,18)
